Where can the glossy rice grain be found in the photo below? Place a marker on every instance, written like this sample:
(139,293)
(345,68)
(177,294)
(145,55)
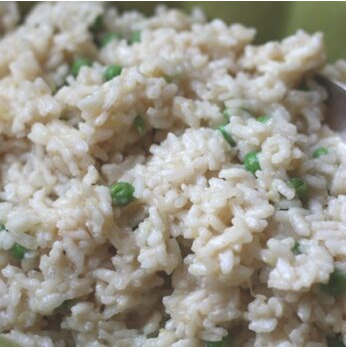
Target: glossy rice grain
(204,249)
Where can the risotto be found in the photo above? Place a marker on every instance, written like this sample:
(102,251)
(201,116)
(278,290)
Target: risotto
(164,182)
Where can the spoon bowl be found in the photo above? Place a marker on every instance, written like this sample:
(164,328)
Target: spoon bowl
(336,104)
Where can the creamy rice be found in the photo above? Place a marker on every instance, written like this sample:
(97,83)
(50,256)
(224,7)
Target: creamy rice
(207,249)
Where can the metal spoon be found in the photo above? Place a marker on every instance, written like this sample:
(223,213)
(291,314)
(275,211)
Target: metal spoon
(336,104)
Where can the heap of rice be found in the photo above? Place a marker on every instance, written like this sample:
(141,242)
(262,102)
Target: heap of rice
(207,248)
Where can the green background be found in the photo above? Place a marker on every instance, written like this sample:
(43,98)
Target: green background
(273,20)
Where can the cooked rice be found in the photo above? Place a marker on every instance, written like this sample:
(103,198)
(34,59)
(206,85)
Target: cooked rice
(205,250)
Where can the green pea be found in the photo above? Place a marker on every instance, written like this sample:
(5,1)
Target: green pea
(226,135)
(335,340)
(78,64)
(336,284)
(97,25)
(251,162)
(109,37)
(135,38)
(320,152)
(263,118)
(112,72)
(64,306)
(224,342)
(18,251)
(296,248)
(122,193)
(139,125)
(299,185)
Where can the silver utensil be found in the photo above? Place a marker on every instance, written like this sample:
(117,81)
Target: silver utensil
(336,104)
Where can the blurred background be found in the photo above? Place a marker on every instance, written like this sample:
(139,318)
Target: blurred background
(273,20)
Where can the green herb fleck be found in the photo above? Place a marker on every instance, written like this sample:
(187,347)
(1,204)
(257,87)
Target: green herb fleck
(135,38)
(153,334)
(97,25)
(320,152)
(226,135)
(18,251)
(300,186)
(226,114)
(296,248)
(263,118)
(224,342)
(2,227)
(64,306)
(112,72)
(168,78)
(335,340)
(139,125)
(78,64)
(109,37)
(122,193)
(251,162)
(65,83)
(336,284)
(245,109)
(304,86)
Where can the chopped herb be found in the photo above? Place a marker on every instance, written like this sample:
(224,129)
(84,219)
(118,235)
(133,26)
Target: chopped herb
(18,251)
(167,78)
(64,306)
(65,118)
(245,109)
(2,227)
(97,25)
(251,162)
(139,125)
(299,185)
(65,83)
(335,340)
(109,37)
(134,228)
(78,64)
(226,135)
(112,72)
(263,118)
(224,342)
(122,193)
(336,284)
(296,248)
(226,114)
(153,334)
(320,152)
(303,86)
(134,38)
